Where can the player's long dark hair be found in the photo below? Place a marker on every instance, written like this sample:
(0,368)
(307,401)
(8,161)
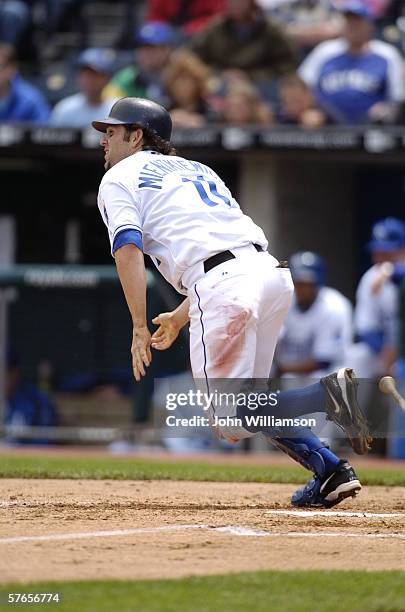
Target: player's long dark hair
(152,141)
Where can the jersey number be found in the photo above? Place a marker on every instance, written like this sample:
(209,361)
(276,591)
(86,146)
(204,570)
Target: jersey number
(202,192)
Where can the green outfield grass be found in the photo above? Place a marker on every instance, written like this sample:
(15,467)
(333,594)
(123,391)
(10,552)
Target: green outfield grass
(147,469)
(259,591)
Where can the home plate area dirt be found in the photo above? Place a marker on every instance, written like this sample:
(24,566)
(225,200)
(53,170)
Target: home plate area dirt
(86,529)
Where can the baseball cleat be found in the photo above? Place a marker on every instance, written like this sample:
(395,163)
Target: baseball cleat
(329,490)
(343,409)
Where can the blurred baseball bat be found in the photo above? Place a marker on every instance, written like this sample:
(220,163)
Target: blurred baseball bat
(387,385)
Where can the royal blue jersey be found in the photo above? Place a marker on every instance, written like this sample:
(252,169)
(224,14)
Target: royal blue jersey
(346,86)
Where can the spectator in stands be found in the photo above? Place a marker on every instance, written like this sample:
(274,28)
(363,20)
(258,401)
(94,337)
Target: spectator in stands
(245,39)
(95,67)
(155,42)
(19,101)
(186,81)
(306,22)
(25,404)
(296,103)
(243,104)
(15,18)
(377,8)
(355,79)
(190,17)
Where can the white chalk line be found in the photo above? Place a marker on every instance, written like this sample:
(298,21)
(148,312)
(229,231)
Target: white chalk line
(241,531)
(230,529)
(340,513)
(99,534)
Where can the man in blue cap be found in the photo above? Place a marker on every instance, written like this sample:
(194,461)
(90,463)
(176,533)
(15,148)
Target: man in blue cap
(377,304)
(155,42)
(95,67)
(318,328)
(355,79)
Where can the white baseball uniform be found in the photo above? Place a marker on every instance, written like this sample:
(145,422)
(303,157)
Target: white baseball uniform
(186,214)
(323,332)
(377,314)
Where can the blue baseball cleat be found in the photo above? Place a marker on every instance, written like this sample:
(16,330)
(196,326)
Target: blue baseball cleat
(329,490)
(343,409)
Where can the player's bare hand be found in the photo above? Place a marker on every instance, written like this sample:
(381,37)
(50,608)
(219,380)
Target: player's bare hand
(140,350)
(384,273)
(167,331)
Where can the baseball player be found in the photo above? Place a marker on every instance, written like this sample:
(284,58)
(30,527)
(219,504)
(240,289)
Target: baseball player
(377,302)
(183,216)
(318,329)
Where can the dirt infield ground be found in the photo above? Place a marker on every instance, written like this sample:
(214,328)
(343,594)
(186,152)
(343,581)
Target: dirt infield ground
(67,529)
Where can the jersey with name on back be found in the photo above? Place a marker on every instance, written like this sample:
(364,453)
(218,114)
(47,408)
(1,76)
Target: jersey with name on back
(183,209)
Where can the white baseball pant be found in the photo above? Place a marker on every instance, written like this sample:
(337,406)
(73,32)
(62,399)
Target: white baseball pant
(236,313)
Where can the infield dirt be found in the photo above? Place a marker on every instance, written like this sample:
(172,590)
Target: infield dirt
(47,507)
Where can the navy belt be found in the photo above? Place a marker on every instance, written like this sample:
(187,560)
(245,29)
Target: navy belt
(219,258)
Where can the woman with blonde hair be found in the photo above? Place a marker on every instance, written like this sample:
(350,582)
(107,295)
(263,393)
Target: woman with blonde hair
(243,104)
(186,81)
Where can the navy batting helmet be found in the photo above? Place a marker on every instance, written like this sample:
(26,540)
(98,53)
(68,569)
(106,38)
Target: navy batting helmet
(145,113)
(307,267)
(387,235)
